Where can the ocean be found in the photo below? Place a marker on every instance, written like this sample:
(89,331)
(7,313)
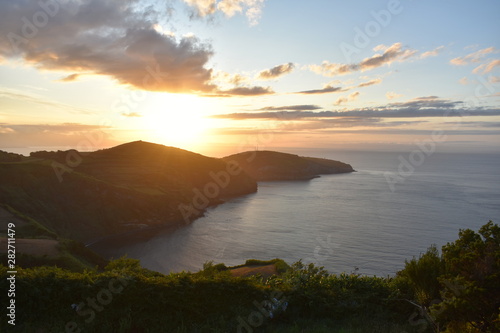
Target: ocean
(369,222)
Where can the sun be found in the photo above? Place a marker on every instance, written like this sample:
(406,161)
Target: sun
(178,120)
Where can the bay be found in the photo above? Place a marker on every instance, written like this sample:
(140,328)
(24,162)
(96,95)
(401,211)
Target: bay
(351,222)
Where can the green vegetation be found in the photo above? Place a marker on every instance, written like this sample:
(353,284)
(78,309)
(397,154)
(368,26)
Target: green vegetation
(10,157)
(130,187)
(54,197)
(459,290)
(26,227)
(270,165)
(453,292)
(280,264)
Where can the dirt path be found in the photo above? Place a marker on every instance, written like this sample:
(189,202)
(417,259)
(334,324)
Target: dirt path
(265,270)
(35,247)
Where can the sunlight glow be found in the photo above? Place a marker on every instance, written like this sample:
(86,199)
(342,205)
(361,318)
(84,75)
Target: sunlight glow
(177,120)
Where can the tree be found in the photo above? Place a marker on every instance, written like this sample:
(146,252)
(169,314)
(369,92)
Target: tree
(423,274)
(471,283)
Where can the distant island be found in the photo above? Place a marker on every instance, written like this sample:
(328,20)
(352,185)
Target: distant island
(137,186)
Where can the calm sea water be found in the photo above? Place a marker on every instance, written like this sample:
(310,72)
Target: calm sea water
(344,222)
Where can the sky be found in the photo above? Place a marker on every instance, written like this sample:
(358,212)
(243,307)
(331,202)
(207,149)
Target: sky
(225,76)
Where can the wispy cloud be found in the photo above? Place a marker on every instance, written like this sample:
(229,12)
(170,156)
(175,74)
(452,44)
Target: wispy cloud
(39,100)
(392,95)
(363,113)
(487,68)
(132,115)
(308,107)
(70,78)
(276,72)
(370,83)
(346,99)
(422,107)
(390,54)
(464,81)
(243,91)
(432,53)
(251,8)
(326,90)
(474,57)
(222,77)
(71,134)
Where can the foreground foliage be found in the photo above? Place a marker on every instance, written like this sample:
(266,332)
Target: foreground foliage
(459,291)
(456,291)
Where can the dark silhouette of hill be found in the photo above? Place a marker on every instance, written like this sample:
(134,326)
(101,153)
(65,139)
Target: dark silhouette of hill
(137,186)
(10,157)
(84,196)
(270,165)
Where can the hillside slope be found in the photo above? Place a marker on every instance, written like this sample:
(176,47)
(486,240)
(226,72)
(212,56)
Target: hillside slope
(270,165)
(132,186)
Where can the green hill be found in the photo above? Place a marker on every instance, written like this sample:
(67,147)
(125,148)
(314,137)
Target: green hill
(270,165)
(84,196)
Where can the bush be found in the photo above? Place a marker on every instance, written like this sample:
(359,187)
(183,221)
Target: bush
(470,285)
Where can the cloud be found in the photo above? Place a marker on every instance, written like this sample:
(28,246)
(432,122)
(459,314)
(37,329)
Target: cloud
(345,99)
(289,126)
(64,128)
(362,113)
(486,68)
(370,83)
(71,134)
(276,72)
(233,79)
(132,115)
(251,8)
(203,7)
(390,54)
(494,79)
(291,108)
(427,102)
(326,90)
(474,57)
(112,38)
(464,81)
(243,91)
(393,53)
(70,78)
(432,53)
(392,95)
(480,124)
(38,100)
(422,107)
